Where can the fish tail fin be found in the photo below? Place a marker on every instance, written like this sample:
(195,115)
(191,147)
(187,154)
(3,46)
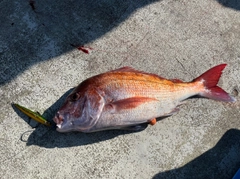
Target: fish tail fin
(210,79)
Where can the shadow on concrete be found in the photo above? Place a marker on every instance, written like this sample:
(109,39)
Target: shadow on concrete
(52,138)
(234,4)
(222,161)
(48,114)
(49,138)
(40,30)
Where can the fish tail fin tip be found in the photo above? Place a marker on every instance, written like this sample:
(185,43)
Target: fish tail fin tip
(210,80)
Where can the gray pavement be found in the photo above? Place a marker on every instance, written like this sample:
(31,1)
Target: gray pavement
(39,66)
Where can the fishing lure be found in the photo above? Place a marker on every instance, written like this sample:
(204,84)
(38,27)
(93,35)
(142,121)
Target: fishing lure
(34,115)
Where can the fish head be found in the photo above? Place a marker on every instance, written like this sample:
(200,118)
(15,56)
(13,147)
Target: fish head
(79,112)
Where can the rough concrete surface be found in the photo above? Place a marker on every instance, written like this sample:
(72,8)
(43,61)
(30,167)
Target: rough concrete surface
(172,38)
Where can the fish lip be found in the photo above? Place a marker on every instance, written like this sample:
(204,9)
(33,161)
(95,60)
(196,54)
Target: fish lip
(62,123)
(59,125)
(59,120)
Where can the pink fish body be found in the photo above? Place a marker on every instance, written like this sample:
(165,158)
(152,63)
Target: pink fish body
(125,98)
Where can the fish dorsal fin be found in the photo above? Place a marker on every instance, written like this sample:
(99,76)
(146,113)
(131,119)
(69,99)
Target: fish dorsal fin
(130,69)
(176,80)
(126,69)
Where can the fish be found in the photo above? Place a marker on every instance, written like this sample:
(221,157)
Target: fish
(130,99)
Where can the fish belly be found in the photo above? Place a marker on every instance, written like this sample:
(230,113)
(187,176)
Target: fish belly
(129,117)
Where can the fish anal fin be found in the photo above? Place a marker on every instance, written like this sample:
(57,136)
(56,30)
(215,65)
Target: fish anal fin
(175,110)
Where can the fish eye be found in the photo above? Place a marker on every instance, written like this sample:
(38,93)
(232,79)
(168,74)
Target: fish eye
(75,97)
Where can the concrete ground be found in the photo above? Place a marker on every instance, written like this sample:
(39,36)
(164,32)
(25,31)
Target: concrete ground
(40,64)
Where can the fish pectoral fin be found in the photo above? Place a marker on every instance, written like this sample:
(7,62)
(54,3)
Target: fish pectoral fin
(125,69)
(128,103)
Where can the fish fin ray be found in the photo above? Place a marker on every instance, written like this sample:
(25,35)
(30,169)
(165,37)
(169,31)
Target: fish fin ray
(130,69)
(128,103)
(210,79)
(95,103)
(175,110)
(176,80)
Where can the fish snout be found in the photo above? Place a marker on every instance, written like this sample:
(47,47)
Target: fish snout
(63,123)
(58,119)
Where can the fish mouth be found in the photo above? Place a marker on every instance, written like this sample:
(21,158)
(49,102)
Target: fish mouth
(63,124)
(59,125)
(58,119)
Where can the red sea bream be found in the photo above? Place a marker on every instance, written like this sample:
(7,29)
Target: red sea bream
(127,98)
